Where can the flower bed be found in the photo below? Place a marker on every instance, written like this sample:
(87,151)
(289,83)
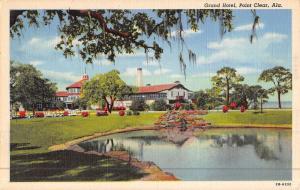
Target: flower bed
(101,113)
(85,114)
(39,114)
(66,113)
(22,114)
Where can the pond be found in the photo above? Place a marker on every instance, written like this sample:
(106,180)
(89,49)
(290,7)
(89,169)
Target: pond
(214,154)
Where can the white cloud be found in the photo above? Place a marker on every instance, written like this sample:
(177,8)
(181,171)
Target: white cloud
(61,76)
(240,50)
(248,27)
(204,74)
(132,72)
(161,71)
(36,62)
(36,44)
(176,76)
(103,62)
(186,33)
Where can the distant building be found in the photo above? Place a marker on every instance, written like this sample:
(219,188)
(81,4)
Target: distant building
(171,93)
(72,92)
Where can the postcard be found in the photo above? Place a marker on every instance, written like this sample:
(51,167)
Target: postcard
(149,95)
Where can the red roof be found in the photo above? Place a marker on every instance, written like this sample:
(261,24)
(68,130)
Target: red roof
(77,84)
(156,88)
(61,93)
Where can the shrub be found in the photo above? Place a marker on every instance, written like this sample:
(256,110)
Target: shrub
(233,105)
(66,113)
(121,113)
(22,114)
(39,114)
(138,105)
(188,106)
(136,113)
(129,112)
(118,108)
(177,105)
(101,113)
(85,114)
(159,105)
(225,109)
(243,109)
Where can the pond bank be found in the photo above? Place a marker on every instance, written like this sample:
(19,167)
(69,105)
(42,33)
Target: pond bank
(154,173)
(66,145)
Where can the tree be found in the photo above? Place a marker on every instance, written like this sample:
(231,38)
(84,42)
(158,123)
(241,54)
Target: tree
(81,103)
(262,94)
(245,95)
(225,79)
(108,87)
(281,79)
(138,105)
(201,98)
(159,105)
(108,33)
(240,95)
(59,104)
(29,87)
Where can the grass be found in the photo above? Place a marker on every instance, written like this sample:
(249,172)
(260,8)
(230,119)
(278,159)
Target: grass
(30,139)
(31,160)
(70,166)
(40,133)
(269,118)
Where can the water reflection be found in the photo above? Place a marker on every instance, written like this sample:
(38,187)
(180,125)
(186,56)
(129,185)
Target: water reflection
(209,155)
(262,149)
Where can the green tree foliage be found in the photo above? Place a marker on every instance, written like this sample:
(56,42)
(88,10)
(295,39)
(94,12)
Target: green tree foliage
(81,103)
(108,87)
(28,87)
(240,95)
(159,105)
(246,95)
(59,104)
(262,94)
(281,79)
(208,99)
(138,105)
(225,79)
(109,33)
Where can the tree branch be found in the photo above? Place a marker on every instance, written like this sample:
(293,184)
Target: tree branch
(14,15)
(99,17)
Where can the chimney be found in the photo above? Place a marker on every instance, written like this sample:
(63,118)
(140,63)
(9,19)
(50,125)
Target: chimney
(139,79)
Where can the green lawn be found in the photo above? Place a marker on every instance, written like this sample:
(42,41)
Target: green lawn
(270,118)
(30,138)
(31,160)
(40,133)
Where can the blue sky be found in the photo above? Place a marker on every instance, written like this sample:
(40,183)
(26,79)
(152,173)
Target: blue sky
(272,48)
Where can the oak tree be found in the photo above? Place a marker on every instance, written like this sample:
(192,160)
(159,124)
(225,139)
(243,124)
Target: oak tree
(281,79)
(225,79)
(105,87)
(109,33)
(29,87)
